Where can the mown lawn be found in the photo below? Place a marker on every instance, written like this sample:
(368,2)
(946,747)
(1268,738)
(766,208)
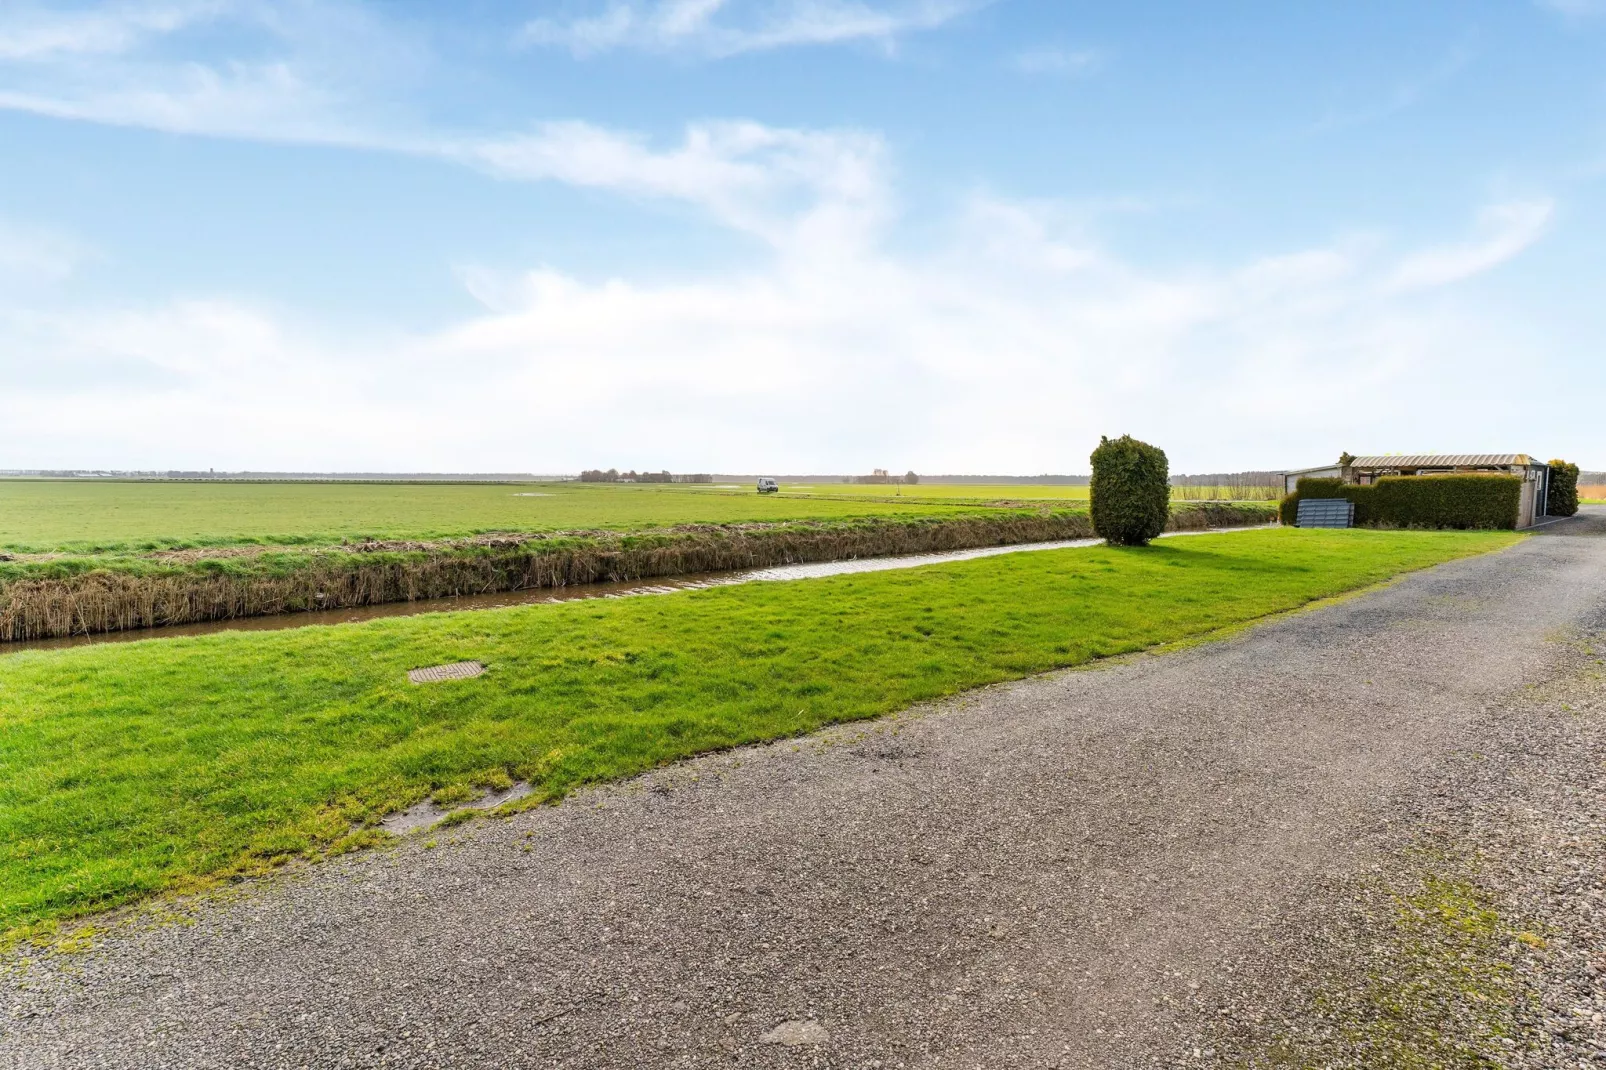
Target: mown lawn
(129,769)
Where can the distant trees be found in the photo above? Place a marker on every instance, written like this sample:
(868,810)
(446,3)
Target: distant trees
(881,475)
(1131,491)
(613,475)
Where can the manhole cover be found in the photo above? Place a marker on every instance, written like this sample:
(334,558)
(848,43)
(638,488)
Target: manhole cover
(462,670)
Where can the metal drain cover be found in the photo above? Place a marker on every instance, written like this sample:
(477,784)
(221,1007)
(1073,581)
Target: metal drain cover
(460,670)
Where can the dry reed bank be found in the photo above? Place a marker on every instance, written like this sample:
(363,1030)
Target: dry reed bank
(89,594)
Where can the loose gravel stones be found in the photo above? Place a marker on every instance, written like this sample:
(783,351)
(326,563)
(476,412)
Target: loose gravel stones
(797,1035)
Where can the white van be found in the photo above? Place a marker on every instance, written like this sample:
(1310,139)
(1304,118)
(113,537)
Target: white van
(766,485)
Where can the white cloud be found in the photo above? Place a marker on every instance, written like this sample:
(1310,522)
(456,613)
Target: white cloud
(1009,347)
(1058,62)
(286,75)
(1504,231)
(721,28)
(788,187)
(1574,8)
(32,255)
(1406,93)
(270,102)
(1010,344)
(31,33)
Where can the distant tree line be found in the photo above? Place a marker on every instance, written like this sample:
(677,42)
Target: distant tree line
(880,476)
(613,475)
(1230,479)
(1024,481)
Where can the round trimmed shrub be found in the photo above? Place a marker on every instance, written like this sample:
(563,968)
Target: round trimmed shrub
(1131,491)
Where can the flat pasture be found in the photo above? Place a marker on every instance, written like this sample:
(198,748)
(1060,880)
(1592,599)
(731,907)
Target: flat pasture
(108,515)
(135,769)
(939,492)
(987,493)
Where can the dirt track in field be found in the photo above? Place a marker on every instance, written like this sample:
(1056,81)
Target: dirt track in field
(1079,870)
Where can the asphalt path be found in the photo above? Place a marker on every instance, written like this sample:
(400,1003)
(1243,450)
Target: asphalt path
(1056,872)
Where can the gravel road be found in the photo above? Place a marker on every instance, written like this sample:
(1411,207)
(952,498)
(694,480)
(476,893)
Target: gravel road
(1093,868)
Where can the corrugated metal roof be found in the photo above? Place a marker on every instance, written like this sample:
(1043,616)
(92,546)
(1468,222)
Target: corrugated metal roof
(1443,460)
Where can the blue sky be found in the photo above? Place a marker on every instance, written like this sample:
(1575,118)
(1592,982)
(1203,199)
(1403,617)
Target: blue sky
(797,235)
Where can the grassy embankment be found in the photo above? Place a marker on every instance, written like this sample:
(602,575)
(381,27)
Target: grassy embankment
(137,578)
(137,768)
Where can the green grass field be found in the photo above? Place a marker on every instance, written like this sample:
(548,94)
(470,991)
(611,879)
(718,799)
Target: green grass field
(138,768)
(107,516)
(88,515)
(979,492)
(990,492)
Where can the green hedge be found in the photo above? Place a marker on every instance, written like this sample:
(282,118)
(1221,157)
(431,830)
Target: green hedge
(1563,499)
(1363,497)
(1447,501)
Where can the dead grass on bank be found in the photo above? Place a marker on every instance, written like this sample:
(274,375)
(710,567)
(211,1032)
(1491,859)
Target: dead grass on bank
(197,588)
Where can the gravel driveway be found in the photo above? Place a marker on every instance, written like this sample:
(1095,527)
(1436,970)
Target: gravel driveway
(1083,869)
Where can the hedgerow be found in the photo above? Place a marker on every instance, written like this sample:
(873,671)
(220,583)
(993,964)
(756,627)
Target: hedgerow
(1473,500)
(1563,499)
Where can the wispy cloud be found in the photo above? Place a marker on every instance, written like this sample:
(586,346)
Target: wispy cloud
(285,75)
(1406,93)
(31,254)
(722,28)
(1058,62)
(1504,231)
(32,33)
(1574,8)
(788,187)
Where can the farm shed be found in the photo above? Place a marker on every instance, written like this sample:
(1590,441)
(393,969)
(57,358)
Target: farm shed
(1365,471)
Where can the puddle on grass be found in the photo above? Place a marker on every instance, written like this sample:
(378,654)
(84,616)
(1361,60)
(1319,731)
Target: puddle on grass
(541,595)
(423,815)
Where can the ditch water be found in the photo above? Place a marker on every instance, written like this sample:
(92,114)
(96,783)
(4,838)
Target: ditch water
(542,595)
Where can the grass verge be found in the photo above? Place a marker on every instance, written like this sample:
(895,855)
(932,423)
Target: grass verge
(139,768)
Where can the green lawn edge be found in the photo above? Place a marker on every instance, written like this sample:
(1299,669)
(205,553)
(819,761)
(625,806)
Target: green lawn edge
(132,770)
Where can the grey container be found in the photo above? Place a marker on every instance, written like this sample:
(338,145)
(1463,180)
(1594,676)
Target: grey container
(1325,513)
